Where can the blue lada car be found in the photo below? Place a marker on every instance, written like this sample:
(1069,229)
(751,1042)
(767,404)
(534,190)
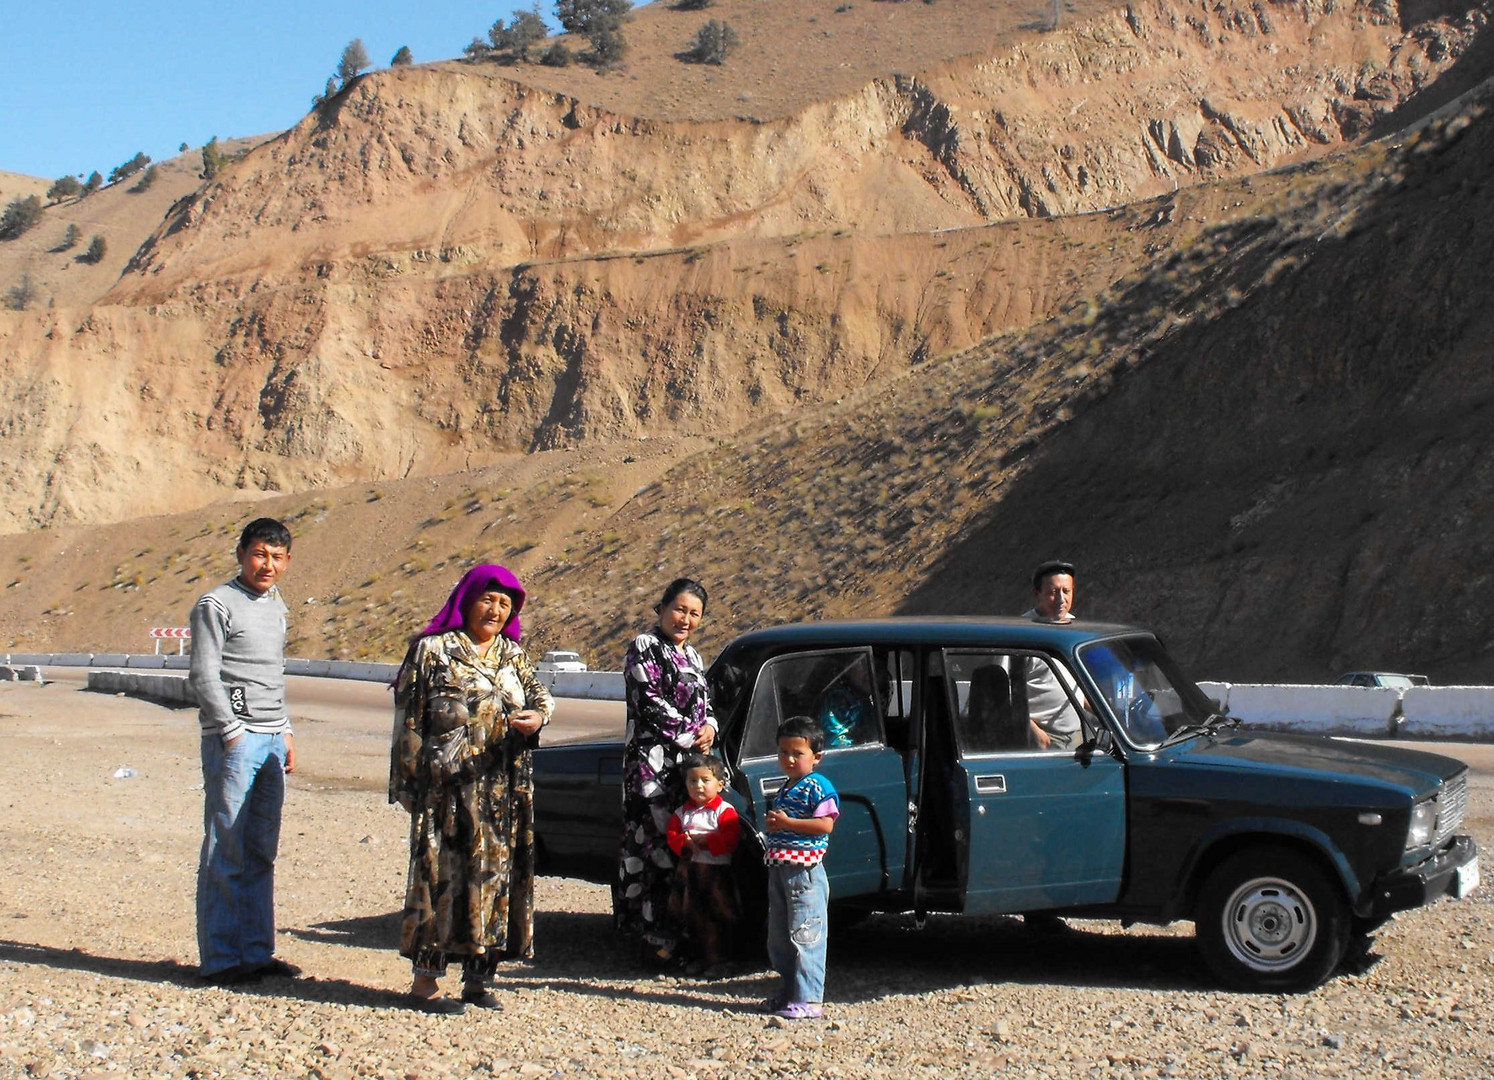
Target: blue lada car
(1286,851)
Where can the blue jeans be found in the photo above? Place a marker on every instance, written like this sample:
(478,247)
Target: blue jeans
(798,900)
(244,789)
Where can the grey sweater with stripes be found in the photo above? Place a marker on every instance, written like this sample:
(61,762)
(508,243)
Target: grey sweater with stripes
(238,661)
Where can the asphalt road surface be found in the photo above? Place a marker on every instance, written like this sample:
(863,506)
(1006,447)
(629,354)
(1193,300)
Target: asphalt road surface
(366,705)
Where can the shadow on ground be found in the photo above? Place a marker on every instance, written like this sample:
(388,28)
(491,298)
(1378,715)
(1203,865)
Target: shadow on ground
(578,954)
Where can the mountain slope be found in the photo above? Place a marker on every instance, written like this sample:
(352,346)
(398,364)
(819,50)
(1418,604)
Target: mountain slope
(450,263)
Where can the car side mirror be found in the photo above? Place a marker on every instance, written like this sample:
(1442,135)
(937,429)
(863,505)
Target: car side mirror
(1102,743)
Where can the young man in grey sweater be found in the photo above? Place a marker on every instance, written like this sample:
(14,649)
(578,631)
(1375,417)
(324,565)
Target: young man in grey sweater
(238,673)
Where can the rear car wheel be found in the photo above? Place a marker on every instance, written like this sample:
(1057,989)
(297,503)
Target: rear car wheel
(1269,918)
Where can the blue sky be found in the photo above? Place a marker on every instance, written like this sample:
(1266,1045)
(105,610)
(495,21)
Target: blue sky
(85,84)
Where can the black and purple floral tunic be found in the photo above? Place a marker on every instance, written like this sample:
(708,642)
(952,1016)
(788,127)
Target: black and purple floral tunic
(668,705)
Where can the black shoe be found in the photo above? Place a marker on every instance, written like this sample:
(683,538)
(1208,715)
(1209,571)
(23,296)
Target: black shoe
(238,975)
(439,1005)
(481,997)
(276,968)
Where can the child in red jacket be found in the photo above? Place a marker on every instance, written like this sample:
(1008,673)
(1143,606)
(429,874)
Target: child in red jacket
(704,833)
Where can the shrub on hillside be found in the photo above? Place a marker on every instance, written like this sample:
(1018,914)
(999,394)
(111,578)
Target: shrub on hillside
(608,46)
(147,178)
(64,187)
(93,183)
(129,168)
(354,61)
(691,5)
(712,42)
(69,237)
(213,159)
(580,16)
(515,41)
(477,49)
(403,58)
(557,55)
(96,250)
(329,91)
(21,214)
(21,294)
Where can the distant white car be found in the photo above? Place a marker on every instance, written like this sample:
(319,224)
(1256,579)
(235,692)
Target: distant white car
(561,660)
(1392,679)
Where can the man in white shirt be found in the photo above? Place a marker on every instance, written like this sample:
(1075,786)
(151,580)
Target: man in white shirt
(1055,721)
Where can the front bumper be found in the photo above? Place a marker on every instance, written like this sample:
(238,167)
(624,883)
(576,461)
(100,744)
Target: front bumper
(1416,885)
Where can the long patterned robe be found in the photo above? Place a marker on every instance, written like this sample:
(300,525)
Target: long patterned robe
(668,704)
(468,783)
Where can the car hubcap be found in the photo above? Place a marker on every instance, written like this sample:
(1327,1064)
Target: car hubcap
(1269,925)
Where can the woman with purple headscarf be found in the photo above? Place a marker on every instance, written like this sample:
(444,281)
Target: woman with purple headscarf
(467,713)
(669,715)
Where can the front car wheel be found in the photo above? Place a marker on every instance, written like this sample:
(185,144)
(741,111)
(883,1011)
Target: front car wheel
(1269,918)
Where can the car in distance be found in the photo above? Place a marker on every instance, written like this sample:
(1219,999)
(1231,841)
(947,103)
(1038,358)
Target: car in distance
(560,660)
(1392,679)
(1286,851)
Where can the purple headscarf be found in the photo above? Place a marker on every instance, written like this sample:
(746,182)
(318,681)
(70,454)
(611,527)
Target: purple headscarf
(485,577)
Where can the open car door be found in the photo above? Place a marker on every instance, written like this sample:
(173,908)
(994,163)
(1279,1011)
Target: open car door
(836,689)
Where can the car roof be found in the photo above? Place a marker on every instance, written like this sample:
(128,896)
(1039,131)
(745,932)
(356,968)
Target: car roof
(929,630)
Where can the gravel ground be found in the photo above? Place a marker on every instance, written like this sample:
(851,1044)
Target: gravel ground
(97,955)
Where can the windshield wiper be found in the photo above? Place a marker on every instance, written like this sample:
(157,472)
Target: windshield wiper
(1208,727)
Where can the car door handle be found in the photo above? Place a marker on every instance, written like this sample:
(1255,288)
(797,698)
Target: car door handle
(990,785)
(771,785)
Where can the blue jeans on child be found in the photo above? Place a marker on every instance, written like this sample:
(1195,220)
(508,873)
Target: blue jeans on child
(243,792)
(798,902)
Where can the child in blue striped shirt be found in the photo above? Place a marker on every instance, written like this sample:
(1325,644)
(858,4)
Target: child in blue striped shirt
(799,825)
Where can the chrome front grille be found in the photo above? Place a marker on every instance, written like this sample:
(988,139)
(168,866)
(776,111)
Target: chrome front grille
(1452,804)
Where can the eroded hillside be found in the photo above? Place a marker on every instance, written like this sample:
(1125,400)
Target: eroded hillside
(451,263)
(1257,442)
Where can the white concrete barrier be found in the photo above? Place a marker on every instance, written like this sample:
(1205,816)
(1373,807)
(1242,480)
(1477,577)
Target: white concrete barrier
(593,685)
(52,659)
(1431,712)
(174,689)
(1219,691)
(21,673)
(348,669)
(1443,712)
(1320,710)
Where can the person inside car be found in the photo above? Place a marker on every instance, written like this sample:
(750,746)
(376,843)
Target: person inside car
(1050,707)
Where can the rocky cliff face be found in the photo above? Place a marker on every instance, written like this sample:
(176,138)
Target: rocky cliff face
(444,264)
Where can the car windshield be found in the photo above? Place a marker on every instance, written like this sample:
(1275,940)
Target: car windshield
(1151,699)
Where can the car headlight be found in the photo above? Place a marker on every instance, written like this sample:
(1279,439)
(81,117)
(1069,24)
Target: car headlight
(1423,824)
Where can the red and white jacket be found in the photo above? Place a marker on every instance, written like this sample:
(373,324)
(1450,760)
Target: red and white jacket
(715,829)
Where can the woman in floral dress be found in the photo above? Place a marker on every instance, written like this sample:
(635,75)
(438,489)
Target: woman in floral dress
(467,713)
(669,715)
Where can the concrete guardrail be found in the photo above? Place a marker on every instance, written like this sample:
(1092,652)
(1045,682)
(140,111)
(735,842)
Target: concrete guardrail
(1456,712)
(1421,712)
(172,689)
(593,685)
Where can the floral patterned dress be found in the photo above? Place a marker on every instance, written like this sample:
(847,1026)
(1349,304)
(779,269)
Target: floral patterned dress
(668,705)
(468,783)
